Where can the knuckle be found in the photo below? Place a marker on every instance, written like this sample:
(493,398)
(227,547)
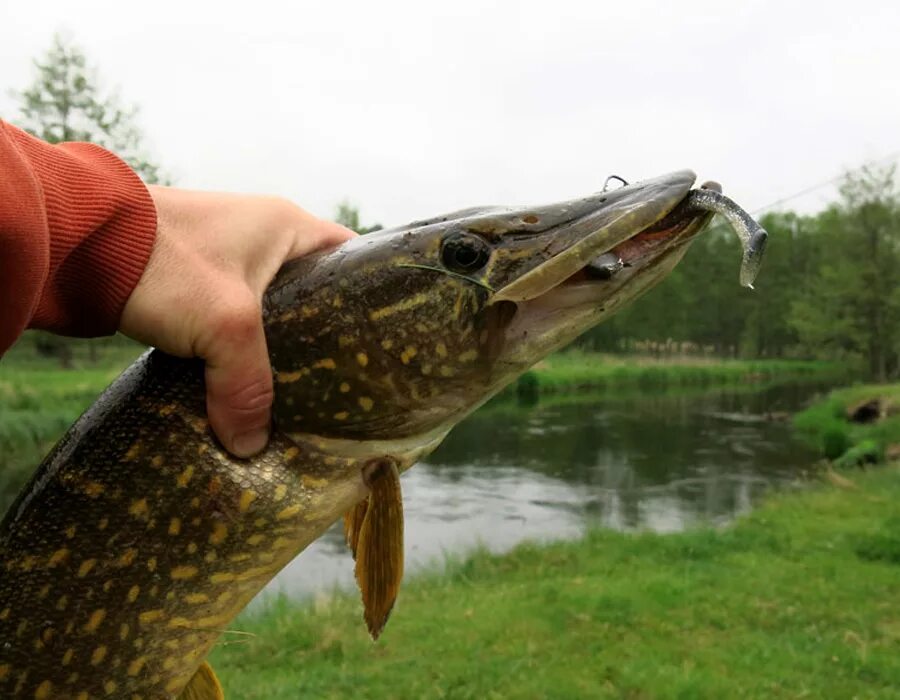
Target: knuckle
(252,399)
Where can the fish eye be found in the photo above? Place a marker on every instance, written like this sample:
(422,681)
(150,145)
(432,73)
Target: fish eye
(463,252)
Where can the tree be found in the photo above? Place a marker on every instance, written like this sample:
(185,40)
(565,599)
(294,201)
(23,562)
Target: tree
(64,103)
(348,215)
(853,305)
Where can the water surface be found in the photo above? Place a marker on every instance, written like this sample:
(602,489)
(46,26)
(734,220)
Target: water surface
(660,462)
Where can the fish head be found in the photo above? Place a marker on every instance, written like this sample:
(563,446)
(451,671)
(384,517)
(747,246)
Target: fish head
(397,335)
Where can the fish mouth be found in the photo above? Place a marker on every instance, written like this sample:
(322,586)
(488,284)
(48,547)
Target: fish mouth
(643,220)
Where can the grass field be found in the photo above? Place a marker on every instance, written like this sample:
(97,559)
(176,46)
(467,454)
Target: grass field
(576,371)
(797,600)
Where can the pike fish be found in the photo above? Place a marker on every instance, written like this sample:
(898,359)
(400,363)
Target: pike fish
(138,539)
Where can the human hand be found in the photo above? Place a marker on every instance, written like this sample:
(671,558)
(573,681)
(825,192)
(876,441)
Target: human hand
(201,295)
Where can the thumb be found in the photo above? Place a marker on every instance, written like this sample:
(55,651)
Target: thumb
(239,385)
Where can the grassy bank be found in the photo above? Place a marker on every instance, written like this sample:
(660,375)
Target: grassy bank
(575,371)
(798,599)
(826,424)
(38,401)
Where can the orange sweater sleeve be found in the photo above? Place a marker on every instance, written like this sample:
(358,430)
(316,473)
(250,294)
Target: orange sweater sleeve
(77,226)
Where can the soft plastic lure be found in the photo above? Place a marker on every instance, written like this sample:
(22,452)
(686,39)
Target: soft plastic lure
(753,236)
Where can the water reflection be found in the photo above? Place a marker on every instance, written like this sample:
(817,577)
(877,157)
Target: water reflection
(509,473)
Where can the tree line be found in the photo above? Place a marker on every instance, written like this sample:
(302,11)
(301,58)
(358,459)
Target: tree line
(829,287)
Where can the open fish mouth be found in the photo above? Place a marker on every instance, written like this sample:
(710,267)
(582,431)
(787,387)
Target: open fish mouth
(616,249)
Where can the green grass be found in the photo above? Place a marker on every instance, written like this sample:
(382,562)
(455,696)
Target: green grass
(39,401)
(798,599)
(825,424)
(574,371)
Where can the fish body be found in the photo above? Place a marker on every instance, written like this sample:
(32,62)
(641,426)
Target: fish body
(139,538)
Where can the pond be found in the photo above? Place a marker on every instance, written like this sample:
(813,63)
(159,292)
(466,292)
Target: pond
(654,461)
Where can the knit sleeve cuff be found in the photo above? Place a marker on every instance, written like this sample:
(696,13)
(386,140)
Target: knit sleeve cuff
(102,224)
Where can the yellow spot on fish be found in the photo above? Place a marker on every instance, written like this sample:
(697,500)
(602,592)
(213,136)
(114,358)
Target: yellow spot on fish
(157,461)
(366,403)
(134,668)
(20,630)
(175,526)
(103,523)
(180,573)
(404,305)
(247,497)
(185,477)
(151,564)
(222,577)
(45,589)
(441,349)
(341,415)
(337,302)
(280,492)
(191,548)
(224,597)
(447,371)
(94,489)
(123,631)
(237,558)
(98,655)
(62,602)
(169,663)
(195,502)
(86,567)
(94,620)
(133,451)
(344,387)
(28,562)
(110,687)
(149,616)
(43,690)
(210,557)
(4,613)
(219,533)
(288,512)
(362,359)
(345,341)
(387,343)
(58,557)
(196,598)
(128,557)
(326,363)
(139,508)
(71,530)
(291,452)
(181,622)
(288,377)
(468,355)
(408,354)
(107,585)
(133,593)
(312,482)
(67,657)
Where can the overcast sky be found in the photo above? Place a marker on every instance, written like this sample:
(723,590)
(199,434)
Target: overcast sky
(413,108)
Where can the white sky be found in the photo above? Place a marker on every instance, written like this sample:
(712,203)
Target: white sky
(414,108)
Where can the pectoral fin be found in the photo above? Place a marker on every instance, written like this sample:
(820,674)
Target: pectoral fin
(203,685)
(379,550)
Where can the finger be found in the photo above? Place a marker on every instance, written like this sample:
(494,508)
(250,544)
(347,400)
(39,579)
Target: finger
(239,384)
(322,234)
